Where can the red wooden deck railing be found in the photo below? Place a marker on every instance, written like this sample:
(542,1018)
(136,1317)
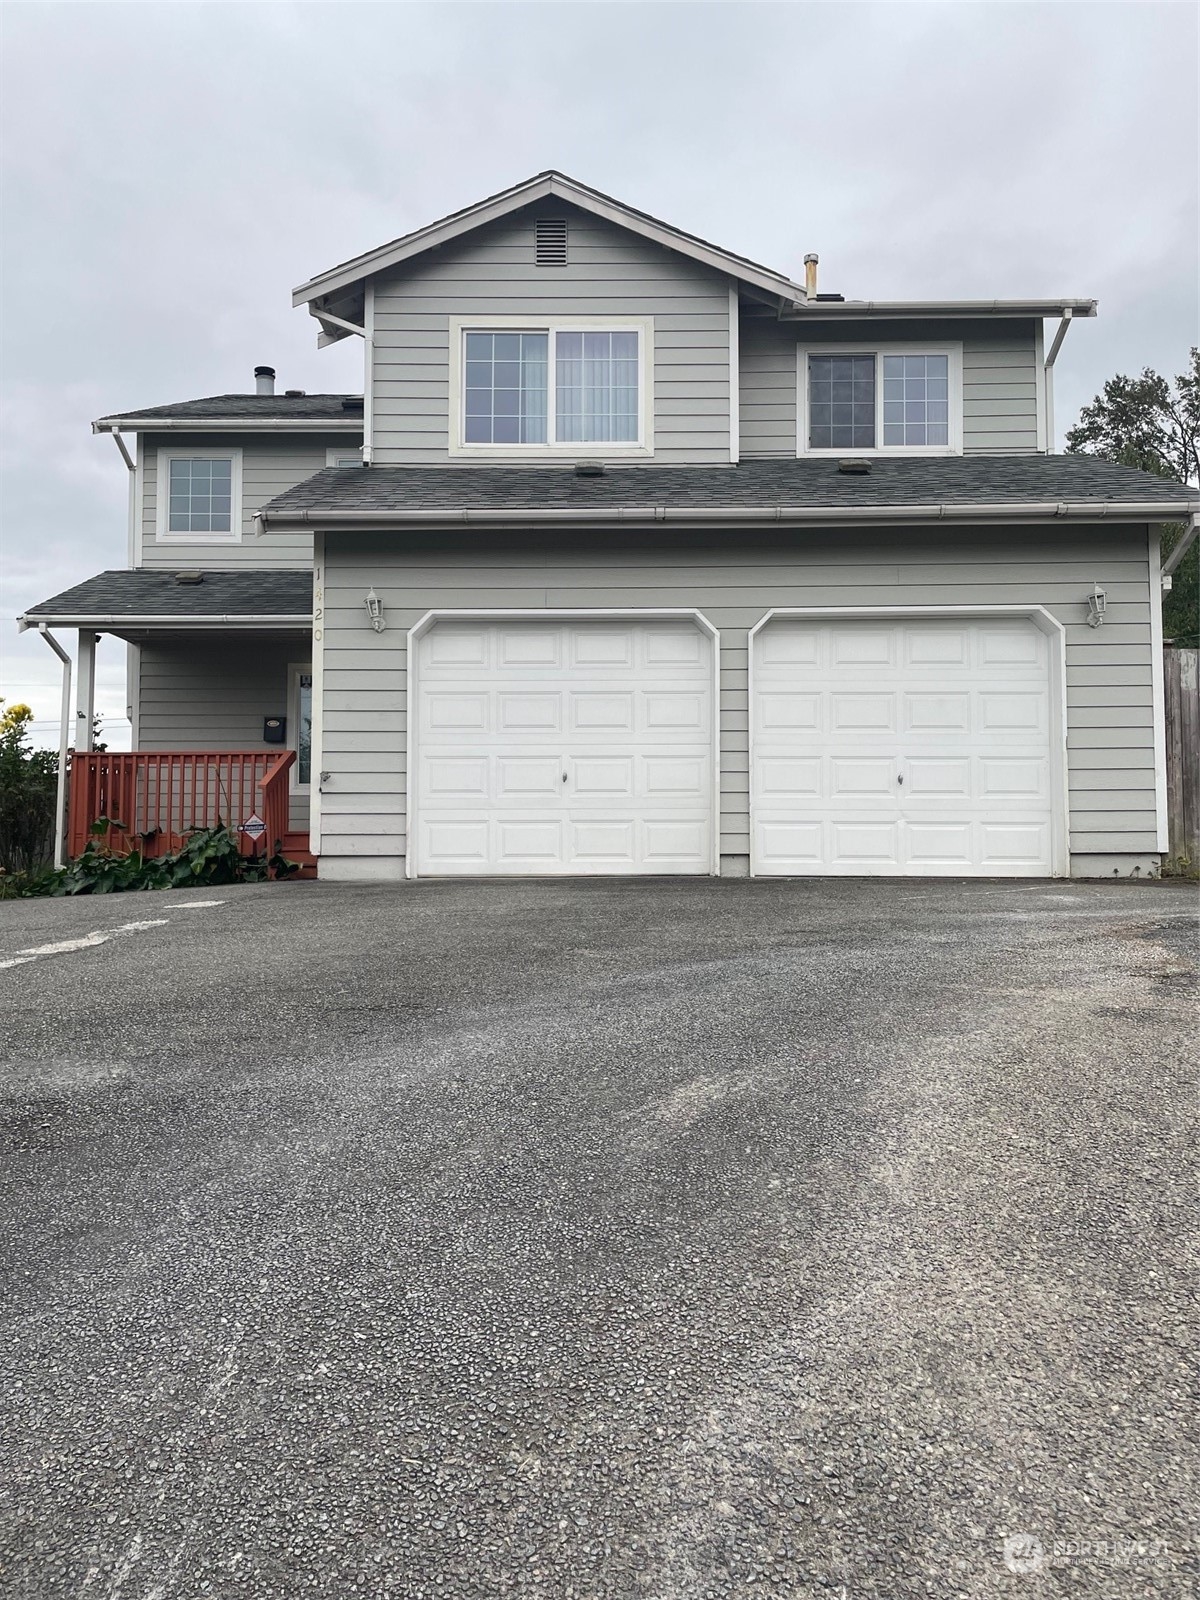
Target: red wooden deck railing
(155,799)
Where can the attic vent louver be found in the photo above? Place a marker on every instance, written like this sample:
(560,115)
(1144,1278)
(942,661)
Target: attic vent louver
(550,241)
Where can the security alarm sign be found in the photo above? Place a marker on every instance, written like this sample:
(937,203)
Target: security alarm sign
(254,826)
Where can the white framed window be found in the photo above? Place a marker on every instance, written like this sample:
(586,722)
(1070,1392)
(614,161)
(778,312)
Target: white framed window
(568,386)
(880,400)
(344,456)
(199,496)
(300,712)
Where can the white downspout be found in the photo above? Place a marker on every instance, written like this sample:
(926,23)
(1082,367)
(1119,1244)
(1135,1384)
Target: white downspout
(1182,548)
(60,813)
(1048,369)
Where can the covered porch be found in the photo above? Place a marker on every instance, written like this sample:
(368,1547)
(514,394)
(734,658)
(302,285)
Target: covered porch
(220,704)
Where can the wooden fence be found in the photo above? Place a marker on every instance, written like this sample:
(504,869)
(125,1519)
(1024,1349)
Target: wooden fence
(1183,752)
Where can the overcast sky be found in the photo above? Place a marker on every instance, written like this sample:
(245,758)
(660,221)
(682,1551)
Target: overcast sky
(170,171)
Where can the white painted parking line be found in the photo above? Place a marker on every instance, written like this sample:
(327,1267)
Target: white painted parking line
(192,905)
(65,946)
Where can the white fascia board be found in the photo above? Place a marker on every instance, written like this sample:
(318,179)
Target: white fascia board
(1042,510)
(74,620)
(820,310)
(348,424)
(541,187)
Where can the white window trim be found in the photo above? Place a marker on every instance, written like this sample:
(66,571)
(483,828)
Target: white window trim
(867,347)
(295,670)
(642,446)
(162,495)
(333,455)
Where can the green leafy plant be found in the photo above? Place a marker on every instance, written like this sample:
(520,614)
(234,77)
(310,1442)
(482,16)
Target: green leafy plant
(209,857)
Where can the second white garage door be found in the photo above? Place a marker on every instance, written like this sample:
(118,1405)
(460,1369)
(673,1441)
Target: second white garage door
(902,748)
(549,747)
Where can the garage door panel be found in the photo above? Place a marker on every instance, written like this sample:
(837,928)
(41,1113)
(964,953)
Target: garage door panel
(518,777)
(852,780)
(865,842)
(944,843)
(451,712)
(901,747)
(861,709)
(600,646)
(930,778)
(598,775)
(564,746)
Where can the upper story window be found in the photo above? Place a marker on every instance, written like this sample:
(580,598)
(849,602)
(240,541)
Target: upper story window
(890,399)
(199,496)
(343,457)
(560,386)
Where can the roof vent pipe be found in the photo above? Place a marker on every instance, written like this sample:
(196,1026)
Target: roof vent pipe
(810,276)
(264,380)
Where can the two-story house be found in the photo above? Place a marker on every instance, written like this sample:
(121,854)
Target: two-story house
(638,557)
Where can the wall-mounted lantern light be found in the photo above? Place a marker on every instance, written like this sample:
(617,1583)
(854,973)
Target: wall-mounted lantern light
(375,614)
(1097,604)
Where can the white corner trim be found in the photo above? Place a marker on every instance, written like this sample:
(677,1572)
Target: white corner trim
(867,346)
(1158,689)
(318,695)
(162,495)
(1039,385)
(368,444)
(642,446)
(735,377)
(551,614)
(1060,853)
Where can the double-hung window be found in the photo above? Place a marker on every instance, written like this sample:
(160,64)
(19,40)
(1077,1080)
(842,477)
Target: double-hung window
(199,496)
(883,400)
(558,386)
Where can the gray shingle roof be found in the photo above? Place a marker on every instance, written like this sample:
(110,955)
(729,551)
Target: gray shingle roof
(930,480)
(249,407)
(143,593)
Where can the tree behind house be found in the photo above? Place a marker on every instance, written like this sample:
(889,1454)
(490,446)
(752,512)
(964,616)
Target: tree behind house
(28,789)
(1154,425)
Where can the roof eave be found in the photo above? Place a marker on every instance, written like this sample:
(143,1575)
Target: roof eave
(136,424)
(899,310)
(72,619)
(333,521)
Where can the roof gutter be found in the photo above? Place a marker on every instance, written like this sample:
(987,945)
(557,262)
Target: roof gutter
(899,309)
(352,424)
(42,620)
(1034,510)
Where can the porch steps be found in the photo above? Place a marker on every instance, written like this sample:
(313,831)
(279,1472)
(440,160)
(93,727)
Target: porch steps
(295,848)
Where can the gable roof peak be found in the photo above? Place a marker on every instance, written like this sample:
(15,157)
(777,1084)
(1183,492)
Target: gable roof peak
(338,288)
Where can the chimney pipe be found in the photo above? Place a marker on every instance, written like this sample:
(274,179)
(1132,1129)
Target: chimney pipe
(264,380)
(810,276)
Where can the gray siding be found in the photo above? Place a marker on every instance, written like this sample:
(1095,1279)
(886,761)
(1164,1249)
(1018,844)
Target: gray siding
(212,693)
(492,273)
(734,579)
(1000,379)
(270,464)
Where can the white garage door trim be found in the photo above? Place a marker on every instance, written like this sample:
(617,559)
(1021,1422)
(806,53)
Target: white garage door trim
(548,614)
(1057,653)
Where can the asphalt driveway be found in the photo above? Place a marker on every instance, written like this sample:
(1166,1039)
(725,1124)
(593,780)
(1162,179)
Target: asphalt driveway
(626,1241)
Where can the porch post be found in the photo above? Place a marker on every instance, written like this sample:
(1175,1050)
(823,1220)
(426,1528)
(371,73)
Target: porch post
(85,689)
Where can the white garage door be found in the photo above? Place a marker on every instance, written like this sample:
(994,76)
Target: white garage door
(917,747)
(564,747)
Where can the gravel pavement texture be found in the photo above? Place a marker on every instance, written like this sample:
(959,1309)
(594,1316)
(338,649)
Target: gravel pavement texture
(599,1241)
